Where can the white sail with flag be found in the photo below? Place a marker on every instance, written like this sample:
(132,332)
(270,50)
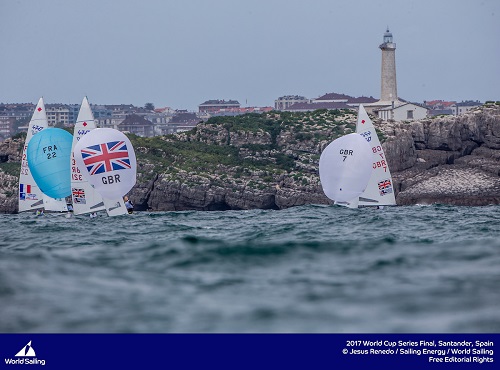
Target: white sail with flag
(380,189)
(84,197)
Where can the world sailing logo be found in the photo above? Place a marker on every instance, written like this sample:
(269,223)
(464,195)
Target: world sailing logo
(26,356)
(27,351)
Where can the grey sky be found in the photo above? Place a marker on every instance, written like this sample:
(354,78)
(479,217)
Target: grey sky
(181,53)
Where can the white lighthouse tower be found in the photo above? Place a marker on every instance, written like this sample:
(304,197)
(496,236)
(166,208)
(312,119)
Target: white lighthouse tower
(389,107)
(389,88)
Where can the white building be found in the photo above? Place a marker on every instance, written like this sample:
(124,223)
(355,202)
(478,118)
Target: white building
(403,112)
(57,114)
(283,102)
(462,107)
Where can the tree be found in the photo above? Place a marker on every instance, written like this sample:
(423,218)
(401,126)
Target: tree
(149,106)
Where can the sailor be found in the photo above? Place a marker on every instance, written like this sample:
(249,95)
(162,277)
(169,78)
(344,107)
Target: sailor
(129,205)
(39,212)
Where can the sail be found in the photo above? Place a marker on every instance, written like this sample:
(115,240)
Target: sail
(54,204)
(48,156)
(30,196)
(115,207)
(345,167)
(107,161)
(380,190)
(84,197)
(353,203)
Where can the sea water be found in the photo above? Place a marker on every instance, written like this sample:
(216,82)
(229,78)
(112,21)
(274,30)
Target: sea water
(303,269)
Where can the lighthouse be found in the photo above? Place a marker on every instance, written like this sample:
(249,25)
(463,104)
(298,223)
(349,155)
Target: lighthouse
(389,107)
(389,89)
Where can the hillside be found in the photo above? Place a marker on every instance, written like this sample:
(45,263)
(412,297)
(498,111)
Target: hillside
(253,161)
(270,161)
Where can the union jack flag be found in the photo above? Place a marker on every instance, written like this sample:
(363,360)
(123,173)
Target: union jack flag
(78,196)
(385,187)
(106,157)
(78,193)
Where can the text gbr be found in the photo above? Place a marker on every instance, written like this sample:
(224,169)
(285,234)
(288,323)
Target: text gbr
(110,179)
(345,153)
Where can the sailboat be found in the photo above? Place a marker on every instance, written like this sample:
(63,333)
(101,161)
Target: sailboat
(380,189)
(84,196)
(31,197)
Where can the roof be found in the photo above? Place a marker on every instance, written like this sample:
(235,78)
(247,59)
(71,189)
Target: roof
(161,110)
(220,102)
(469,103)
(346,98)
(184,118)
(334,96)
(292,97)
(438,103)
(438,112)
(402,105)
(314,106)
(362,100)
(135,120)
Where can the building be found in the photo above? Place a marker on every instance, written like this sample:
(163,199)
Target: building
(439,107)
(403,112)
(283,102)
(331,101)
(21,111)
(137,125)
(110,122)
(57,114)
(464,106)
(184,121)
(213,106)
(6,127)
(388,86)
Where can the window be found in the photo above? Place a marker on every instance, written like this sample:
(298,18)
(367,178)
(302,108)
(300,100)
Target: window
(409,114)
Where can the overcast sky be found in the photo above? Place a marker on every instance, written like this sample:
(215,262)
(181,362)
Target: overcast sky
(183,52)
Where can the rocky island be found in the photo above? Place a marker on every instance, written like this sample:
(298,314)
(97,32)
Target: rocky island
(270,161)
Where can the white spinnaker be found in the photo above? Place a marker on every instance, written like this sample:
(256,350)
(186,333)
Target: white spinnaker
(380,189)
(345,167)
(30,195)
(84,197)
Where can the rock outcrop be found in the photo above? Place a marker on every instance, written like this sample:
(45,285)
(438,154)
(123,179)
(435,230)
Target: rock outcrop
(456,159)
(270,161)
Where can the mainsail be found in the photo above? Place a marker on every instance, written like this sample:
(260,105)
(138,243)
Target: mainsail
(84,197)
(380,190)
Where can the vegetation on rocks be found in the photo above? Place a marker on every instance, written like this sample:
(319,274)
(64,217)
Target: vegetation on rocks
(252,151)
(270,161)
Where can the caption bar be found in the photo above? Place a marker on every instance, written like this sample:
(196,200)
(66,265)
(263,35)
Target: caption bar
(437,351)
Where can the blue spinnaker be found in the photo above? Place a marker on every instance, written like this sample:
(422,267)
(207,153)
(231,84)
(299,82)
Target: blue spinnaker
(49,154)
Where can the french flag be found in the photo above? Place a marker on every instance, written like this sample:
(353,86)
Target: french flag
(25,188)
